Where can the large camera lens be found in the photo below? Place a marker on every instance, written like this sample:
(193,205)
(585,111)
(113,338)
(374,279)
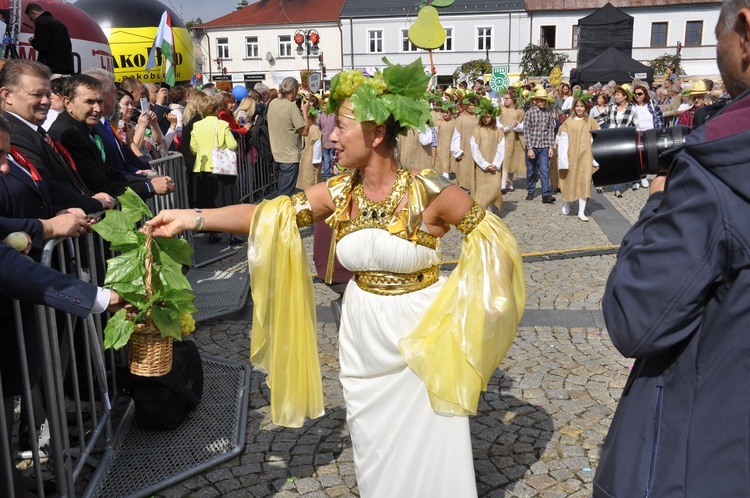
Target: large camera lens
(626,154)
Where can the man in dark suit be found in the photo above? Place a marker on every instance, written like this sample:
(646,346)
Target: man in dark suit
(119,156)
(74,130)
(24,86)
(51,40)
(41,285)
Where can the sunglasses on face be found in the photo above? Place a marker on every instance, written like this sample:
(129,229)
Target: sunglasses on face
(640,94)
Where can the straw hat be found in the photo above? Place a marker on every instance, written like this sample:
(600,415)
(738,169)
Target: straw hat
(625,88)
(540,94)
(698,88)
(516,84)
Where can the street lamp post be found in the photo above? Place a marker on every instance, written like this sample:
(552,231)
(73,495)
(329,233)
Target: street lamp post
(310,38)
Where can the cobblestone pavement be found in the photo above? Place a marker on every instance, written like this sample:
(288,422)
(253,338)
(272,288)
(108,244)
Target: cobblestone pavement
(542,420)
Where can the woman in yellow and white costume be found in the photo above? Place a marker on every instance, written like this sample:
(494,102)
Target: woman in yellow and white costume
(416,349)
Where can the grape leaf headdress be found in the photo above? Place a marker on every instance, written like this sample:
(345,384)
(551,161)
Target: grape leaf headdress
(395,94)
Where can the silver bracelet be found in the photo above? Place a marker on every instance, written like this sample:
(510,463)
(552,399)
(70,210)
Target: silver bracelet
(198,221)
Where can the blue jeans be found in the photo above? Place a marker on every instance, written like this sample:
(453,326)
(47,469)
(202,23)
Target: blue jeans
(286,177)
(327,163)
(540,164)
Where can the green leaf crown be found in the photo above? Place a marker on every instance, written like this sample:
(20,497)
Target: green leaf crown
(395,94)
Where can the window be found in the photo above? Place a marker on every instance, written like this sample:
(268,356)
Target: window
(658,34)
(694,33)
(448,43)
(222,48)
(484,39)
(251,47)
(576,36)
(376,41)
(548,36)
(406,44)
(285,46)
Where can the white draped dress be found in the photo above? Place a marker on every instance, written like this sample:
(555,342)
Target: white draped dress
(402,448)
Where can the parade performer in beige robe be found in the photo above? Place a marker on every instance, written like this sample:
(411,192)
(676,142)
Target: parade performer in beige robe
(415,148)
(487,150)
(514,162)
(575,161)
(445,160)
(465,124)
(310,162)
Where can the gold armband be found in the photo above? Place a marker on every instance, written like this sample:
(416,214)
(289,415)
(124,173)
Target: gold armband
(304,213)
(471,219)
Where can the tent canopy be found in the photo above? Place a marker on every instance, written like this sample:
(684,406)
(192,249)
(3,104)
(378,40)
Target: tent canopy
(609,14)
(604,28)
(611,65)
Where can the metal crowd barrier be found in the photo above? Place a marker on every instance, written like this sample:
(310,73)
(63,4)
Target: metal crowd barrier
(74,380)
(256,178)
(78,380)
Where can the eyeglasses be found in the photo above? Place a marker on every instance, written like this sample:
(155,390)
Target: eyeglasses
(640,94)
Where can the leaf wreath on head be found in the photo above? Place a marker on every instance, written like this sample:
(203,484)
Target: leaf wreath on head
(395,95)
(485,106)
(582,96)
(448,106)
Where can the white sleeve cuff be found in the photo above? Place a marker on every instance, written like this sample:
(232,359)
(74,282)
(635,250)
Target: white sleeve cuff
(102,300)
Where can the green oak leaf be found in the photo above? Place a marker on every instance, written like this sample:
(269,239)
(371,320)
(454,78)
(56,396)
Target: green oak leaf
(117,228)
(132,292)
(134,206)
(170,274)
(179,299)
(127,267)
(407,111)
(409,81)
(167,321)
(367,105)
(177,249)
(118,330)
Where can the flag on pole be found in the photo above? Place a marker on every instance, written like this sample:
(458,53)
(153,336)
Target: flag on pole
(165,42)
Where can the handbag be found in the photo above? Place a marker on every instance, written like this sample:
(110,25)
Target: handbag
(225,160)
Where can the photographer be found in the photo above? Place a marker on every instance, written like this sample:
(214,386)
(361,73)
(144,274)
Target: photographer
(676,300)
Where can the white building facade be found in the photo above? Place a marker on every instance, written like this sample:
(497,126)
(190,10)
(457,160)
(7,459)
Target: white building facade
(657,30)
(499,31)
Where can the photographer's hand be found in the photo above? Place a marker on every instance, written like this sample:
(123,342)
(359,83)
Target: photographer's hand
(657,184)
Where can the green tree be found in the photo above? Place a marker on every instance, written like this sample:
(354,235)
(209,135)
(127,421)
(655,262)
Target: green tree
(660,64)
(193,23)
(471,71)
(539,61)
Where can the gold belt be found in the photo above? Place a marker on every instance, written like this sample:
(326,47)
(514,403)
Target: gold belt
(394,284)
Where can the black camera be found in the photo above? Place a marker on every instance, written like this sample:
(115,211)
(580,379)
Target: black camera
(626,154)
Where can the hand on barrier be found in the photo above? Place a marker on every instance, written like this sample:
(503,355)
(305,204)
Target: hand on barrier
(162,185)
(65,225)
(106,200)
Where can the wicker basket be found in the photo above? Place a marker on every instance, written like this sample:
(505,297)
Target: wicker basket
(150,353)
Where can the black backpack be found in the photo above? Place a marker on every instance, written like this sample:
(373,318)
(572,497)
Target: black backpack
(163,403)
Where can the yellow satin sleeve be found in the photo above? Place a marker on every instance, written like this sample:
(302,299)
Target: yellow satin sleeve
(470,326)
(284,338)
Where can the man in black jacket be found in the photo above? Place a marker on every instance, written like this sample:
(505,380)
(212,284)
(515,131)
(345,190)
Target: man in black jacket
(74,130)
(25,89)
(51,40)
